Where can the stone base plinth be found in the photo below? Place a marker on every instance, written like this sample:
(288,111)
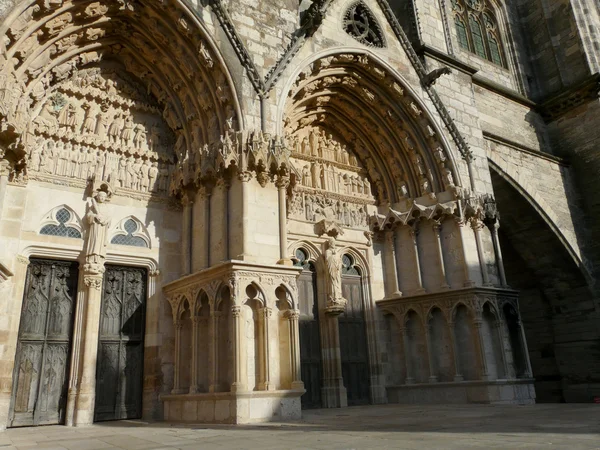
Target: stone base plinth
(234,408)
(517,392)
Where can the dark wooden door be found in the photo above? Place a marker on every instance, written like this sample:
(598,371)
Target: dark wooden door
(310,340)
(353,342)
(119,375)
(40,378)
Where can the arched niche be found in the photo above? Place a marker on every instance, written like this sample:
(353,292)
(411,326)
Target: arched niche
(74,66)
(202,340)
(282,340)
(441,347)
(416,348)
(223,342)
(351,106)
(463,331)
(253,323)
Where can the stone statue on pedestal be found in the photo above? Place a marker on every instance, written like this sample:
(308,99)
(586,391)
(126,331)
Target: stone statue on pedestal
(98,221)
(336,303)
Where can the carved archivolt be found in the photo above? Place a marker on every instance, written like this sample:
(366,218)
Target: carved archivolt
(130,81)
(352,100)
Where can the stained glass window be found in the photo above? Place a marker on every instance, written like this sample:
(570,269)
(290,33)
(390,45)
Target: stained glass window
(461,31)
(477,29)
(130,227)
(62,216)
(477,37)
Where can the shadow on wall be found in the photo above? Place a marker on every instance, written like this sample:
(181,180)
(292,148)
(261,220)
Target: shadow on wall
(556,302)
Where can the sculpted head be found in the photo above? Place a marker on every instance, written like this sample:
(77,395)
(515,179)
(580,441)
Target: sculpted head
(101,196)
(331,243)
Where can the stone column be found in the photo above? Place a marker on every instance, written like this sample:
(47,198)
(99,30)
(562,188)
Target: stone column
(390,265)
(84,409)
(178,324)
(420,289)
(245,177)
(195,343)
(457,375)
(76,352)
(186,235)
(213,355)
(201,230)
(265,315)
(294,318)
(409,369)
(468,281)
(477,225)
(335,392)
(437,229)
(238,382)
(282,183)
(498,252)
(432,376)
(4,170)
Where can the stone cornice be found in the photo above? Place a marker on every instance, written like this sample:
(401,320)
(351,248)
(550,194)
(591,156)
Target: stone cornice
(454,295)
(560,104)
(228,268)
(524,149)
(503,91)
(449,60)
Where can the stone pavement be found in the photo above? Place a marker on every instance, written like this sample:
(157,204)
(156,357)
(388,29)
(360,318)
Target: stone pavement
(378,427)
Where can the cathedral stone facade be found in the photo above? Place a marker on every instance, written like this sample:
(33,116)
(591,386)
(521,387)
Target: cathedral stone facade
(228,211)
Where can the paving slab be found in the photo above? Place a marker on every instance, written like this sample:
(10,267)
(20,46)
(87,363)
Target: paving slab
(564,426)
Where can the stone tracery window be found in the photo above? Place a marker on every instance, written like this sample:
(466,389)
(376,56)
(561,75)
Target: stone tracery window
(477,29)
(360,23)
(64,229)
(130,236)
(348,266)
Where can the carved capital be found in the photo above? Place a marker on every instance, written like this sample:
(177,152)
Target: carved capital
(23,259)
(293,314)
(263,178)
(283,181)
(94,269)
(244,176)
(236,311)
(93,281)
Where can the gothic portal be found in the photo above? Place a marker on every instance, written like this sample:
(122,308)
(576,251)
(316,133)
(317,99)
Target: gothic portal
(216,212)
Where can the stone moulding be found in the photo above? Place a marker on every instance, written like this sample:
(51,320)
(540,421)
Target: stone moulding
(233,408)
(233,274)
(5,273)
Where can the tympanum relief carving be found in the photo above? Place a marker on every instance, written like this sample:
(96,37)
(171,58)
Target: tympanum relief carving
(329,183)
(99,125)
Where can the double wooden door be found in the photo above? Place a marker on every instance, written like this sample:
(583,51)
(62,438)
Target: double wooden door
(40,379)
(353,343)
(119,377)
(310,340)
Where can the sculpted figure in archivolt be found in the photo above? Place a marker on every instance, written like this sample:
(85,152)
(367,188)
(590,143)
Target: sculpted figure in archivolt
(333,260)
(99,222)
